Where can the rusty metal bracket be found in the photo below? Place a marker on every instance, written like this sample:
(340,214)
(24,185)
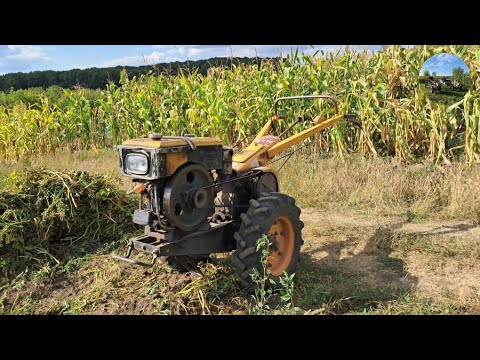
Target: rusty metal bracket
(136,262)
(127,259)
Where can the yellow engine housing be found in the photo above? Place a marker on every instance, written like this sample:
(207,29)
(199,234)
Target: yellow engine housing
(167,154)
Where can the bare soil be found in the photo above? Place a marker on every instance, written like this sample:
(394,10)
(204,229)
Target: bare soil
(433,260)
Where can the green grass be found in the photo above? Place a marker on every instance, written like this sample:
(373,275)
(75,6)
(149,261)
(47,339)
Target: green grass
(412,305)
(447,96)
(349,264)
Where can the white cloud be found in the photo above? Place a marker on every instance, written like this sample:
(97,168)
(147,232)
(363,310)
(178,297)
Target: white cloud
(253,50)
(167,53)
(26,53)
(441,60)
(191,52)
(447,57)
(14,58)
(122,61)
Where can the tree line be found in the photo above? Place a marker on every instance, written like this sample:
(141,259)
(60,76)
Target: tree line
(458,74)
(97,78)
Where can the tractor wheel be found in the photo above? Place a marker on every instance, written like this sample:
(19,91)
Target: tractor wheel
(275,215)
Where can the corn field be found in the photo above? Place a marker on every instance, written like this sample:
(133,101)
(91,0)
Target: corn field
(232,103)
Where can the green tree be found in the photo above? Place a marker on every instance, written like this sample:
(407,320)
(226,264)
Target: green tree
(434,74)
(463,77)
(458,74)
(426,73)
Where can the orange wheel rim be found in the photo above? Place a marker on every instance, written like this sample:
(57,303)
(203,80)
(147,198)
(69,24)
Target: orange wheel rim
(283,240)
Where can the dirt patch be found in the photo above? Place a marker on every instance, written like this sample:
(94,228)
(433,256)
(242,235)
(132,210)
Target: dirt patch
(435,260)
(452,280)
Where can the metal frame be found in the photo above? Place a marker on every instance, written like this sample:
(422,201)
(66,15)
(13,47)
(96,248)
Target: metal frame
(216,239)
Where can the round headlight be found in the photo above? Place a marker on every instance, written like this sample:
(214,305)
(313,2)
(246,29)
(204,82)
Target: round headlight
(136,163)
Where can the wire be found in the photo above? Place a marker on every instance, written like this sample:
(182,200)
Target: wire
(280,168)
(245,176)
(289,155)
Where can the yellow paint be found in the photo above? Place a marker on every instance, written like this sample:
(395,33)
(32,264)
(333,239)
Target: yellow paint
(241,168)
(266,128)
(162,143)
(295,139)
(175,160)
(151,143)
(205,141)
(245,159)
(266,169)
(319,119)
(252,163)
(256,155)
(247,153)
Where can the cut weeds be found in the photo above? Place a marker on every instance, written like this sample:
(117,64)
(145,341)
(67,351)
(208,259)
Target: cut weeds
(48,218)
(354,260)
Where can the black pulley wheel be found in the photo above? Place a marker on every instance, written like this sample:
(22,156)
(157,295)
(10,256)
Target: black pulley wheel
(186,204)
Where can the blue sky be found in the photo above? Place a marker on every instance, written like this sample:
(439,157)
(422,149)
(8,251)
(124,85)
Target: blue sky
(26,58)
(443,64)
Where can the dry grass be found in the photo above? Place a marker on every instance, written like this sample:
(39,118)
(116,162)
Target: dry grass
(354,263)
(376,186)
(98,161)
(377,241)
(380,186)
(101,285)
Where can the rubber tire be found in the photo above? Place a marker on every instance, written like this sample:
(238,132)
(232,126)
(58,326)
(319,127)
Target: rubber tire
(256,222)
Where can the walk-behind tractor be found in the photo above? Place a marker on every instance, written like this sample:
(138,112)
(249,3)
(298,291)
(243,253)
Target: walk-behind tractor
(196,197)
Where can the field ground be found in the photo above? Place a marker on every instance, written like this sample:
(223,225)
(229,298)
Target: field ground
(380,238)
(350,264)
(447,96)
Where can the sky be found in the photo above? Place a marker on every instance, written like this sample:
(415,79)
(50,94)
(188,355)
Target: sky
(443,64)
(26,58)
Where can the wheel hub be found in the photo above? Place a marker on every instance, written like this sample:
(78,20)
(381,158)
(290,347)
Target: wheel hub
(283,240)
(199,198)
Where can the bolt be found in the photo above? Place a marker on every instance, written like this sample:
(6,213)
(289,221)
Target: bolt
(269,265)
(279,253)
